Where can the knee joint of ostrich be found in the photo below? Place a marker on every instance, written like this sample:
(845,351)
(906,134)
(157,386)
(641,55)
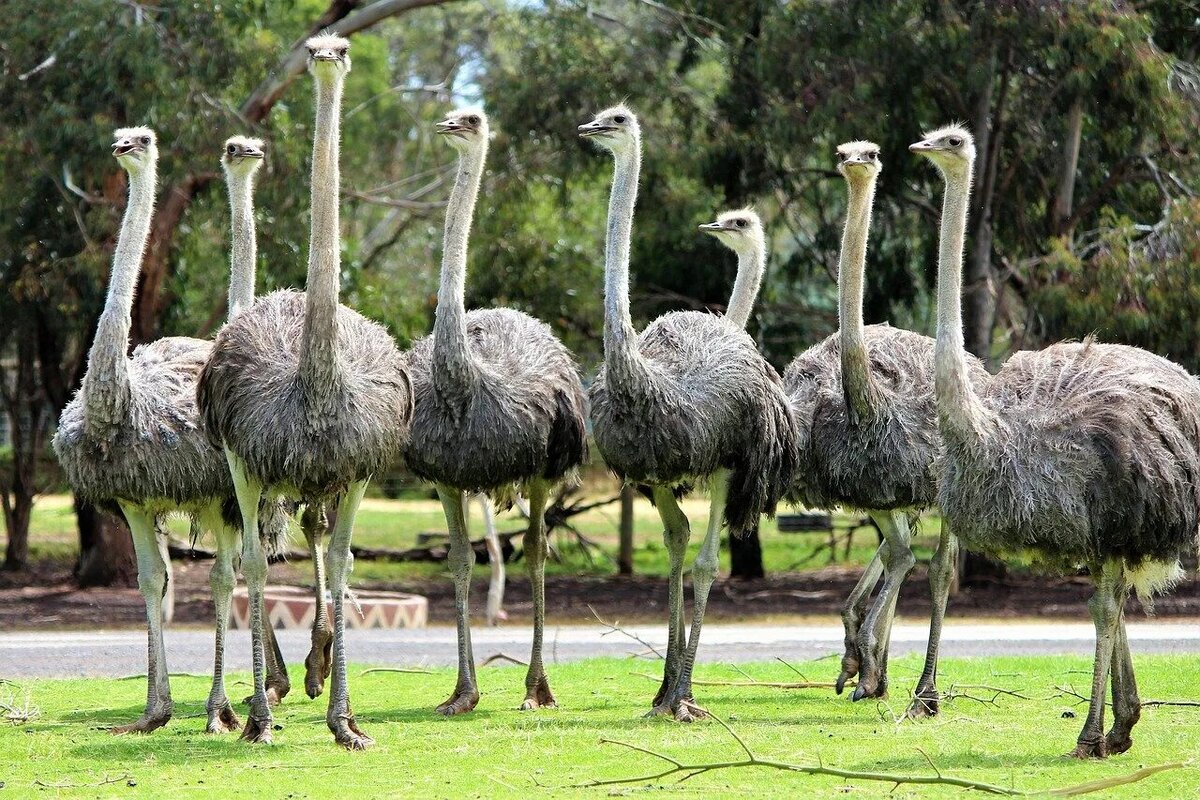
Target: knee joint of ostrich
(152,580)
(704,569)
(254,569)
(462,559)
(222,577)
(1104,609)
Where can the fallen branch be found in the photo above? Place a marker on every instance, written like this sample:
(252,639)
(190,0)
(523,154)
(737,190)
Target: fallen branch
(102,782)
(396,669)
(18,714)
(503,657)
(938,778)
(1066,691)
(752,682)
(614,627)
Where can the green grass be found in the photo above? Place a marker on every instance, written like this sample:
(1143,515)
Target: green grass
(498,752)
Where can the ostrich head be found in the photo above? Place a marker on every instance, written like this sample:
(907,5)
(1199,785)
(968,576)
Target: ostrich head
(134,148)
(615,129)
(740,231)
(465,129)
(859,161)
(242,155)
(328,55)
(951,149)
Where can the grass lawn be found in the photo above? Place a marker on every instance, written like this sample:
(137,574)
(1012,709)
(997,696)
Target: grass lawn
(499,752)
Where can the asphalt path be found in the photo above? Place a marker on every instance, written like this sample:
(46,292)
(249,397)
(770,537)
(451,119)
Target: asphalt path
(121,653)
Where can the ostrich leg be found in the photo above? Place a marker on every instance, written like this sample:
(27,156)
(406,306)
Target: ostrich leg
(676,533)
(1127,707)
(152,581)
(853,613)
(221,717)
(162,538)
(319,658)
(941,574)
(495,595)
(537,687)
(339,717)
(278,683)
(876,629)
(462,559)
(254,570)
(704,572)
(1106,613)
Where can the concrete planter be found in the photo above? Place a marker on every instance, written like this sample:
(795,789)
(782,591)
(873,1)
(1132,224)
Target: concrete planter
(293,607)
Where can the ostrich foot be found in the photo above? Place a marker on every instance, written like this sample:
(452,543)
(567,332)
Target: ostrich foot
(152,719)
(318,663)
(664,707)
(276,691)
(222,719)
(870,684)
(461,702)
(850,664)
(1117,742)
(686,710)
(539,696)
(258,724)
(347,733)
(1090,748)
(924,704)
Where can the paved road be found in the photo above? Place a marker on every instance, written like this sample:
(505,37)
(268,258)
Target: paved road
(118,653)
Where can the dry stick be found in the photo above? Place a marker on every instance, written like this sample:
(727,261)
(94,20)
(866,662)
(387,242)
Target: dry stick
(1068,692)
(68,785)
(752,760)
(503,657)
(751,682)
(412,671)
(614,627)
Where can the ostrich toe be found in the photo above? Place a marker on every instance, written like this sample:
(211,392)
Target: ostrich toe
(222,719)
(1090,748)
(318,663)
(461,702)
(539,696)
(924,704)
(151,720)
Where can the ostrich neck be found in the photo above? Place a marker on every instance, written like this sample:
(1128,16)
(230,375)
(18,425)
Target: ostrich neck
(318,359)
(106,386)
(959,410)
(244,248)
(620,342)
(452,365)
(751,263)
(856,370)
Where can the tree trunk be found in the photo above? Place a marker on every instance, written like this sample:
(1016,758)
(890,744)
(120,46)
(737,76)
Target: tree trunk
(625,550)
(26,408)
(105,549)
(745,555)
(17,512)
(1064,198)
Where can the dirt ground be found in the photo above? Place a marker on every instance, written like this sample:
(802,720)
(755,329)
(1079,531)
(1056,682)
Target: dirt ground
(53,601)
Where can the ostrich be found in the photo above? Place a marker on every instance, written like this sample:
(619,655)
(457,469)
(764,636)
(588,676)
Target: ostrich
(742,232)
(864,399)
(1082,454)
(308,399)
(130,441)
(499,408)
(689,398)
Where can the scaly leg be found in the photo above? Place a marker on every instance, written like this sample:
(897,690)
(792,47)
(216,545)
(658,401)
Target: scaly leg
(1110,583)
(462,559)
(537,687)
(152,581)
(254,570)
(221,717)
(875,632)
(495,595)
(704,572)
(319,659)
(339,717)
(278,682)
(1127,707)
(853,612)
(162,539)
(941,575)
(676,533)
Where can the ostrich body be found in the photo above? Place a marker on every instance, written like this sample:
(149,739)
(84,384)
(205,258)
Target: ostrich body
(309,399)
(689,398)
(863,399)
(1081,454)
(498,408)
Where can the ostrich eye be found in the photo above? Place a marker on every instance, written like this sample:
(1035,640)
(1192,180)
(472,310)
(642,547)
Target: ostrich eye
(954,141)
(145,140)
(873,156)
(741,223)
(619,119)
(474,120)
(231,149)
(341,52)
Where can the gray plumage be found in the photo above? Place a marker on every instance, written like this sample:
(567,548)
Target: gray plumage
(309,444)
(698,397)
(520,417)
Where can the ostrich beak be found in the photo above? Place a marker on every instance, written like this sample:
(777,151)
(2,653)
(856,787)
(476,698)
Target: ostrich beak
(253,152)
(594,127)
(125,147)
(712,227)
(449,127)
(324,54)
(923,146)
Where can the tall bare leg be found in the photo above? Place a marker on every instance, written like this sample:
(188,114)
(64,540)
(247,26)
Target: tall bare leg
(221,717)
(853,613)
(462,559)
(704,572)
(320,657)
(1127,707)
(537,687)
(1110,583)
(152,581)
(874,634)
(340,717)
(495,595)
(941,575)
(676,533)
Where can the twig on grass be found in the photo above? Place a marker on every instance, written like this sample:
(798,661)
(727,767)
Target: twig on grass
(686,771)
(1066,691)
(615,627)
(503,657)
(752,682)
(18,714)
(406,670)
(68,785)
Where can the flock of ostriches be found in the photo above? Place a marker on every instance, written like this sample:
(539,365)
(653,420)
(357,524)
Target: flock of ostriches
(1082,454)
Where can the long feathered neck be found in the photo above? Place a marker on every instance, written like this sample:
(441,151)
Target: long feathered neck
(106,386)
(857,383)
(959,409)
(752,262)
(620,341)
(319,356)
(452,364)
(243,251)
